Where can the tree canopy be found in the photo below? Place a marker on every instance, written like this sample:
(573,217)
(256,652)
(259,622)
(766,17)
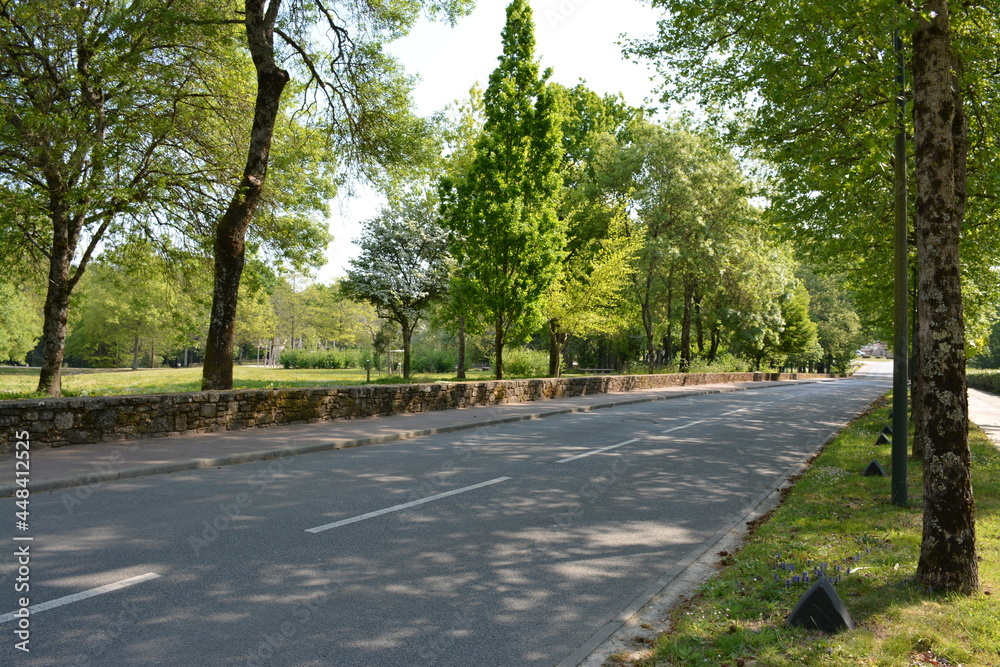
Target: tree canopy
(403,267)
(506,236)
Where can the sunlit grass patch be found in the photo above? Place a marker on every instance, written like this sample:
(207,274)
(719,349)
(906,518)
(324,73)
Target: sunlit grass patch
(838,523)
(21,382)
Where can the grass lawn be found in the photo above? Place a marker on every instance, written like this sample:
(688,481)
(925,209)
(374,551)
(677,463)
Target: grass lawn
(842,522)
(21,382)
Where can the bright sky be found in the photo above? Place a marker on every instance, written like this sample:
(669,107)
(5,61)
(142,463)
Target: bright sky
(578,39)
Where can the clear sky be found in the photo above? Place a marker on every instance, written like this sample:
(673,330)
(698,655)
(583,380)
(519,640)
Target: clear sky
(578,39)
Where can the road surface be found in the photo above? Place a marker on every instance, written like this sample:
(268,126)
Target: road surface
(511,545)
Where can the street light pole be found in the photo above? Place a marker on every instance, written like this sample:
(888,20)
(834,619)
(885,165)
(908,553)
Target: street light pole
(900,339)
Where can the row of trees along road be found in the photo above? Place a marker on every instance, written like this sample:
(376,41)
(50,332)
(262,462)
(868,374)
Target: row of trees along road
(811,87)
(120,119)
(577,213)
(562,215)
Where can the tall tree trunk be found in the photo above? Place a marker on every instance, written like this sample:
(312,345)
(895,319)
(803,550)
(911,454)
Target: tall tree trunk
(554,363)
(647,326)
(230,238)
(698,326)
(716,338)
(461,348)
(65,235)
(668,347)
(407,330)
(686,330)
(135,352)
(54,328)
(948,549)
(498,348)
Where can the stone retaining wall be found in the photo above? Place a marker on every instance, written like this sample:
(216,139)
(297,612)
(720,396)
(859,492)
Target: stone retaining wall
(55,422)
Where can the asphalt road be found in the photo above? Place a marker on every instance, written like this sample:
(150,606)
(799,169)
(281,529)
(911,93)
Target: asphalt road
(511,545)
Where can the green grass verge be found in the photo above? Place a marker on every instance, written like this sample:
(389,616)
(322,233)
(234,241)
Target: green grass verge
(21,382)
(833,518)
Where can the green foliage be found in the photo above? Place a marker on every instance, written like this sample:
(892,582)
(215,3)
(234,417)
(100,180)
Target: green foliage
(989,355)
(20,322)
(704,272)
(137,299)
(337,320)
(434,361)
(809,92)
(403,266)
(837,323)
(984,380)
(325,359)
(589,295)
(724,363)
(523,362)
(506,236)
(798,341)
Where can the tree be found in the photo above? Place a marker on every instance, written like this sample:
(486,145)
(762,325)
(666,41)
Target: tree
(461,127)
(93,101)
(337,320)
(365,99)
(255,321)
(837,323)
(588,297)
(799,340)
(403,266)
(136,299)
(506,236)
(813,87)
(688,212)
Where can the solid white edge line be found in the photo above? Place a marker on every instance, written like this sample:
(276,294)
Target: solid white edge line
(76,597)
(396,508)
(597,451)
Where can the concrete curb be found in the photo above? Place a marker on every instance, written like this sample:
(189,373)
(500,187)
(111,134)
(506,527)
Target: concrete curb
(96,477)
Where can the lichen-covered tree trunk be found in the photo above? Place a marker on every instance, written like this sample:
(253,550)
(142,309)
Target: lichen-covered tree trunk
(948,550)
(230,239)
(916,379)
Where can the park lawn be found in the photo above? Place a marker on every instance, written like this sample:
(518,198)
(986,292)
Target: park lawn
(833,518)
(21,382)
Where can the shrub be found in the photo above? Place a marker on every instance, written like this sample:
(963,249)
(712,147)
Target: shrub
(328,359)
(525,363)
(725,363)
(434,361)
(984,380)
